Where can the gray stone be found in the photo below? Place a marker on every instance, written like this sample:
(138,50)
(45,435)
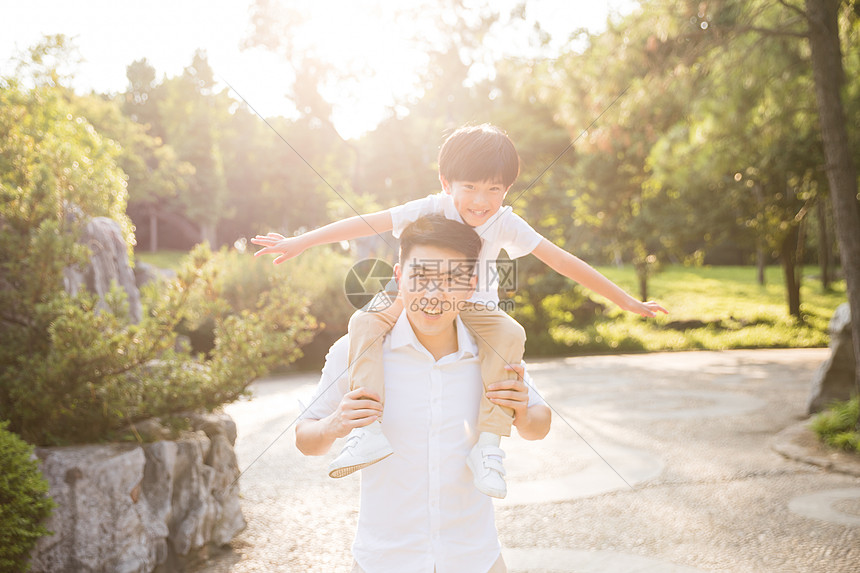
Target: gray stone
(229,520)
(133,508)
(834,380)
(214,423)
(108,265)
(150,430)
(98,524)
(192,515)
(144,273)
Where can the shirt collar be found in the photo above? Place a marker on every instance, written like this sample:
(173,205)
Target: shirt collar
(402,334)
(450,212)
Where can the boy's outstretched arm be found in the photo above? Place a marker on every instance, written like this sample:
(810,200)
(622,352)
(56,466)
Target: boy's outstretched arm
(344,230)
(578,270)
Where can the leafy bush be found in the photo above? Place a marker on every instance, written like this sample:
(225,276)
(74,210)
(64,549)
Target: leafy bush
(24,502)
(317,277)
(838,426)
(70,373)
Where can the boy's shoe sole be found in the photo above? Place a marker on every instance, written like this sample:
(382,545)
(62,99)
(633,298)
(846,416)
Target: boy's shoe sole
(346,470)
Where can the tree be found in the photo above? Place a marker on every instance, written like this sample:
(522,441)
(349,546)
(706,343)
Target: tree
(156,177)
(750,138)
(192,118)
(72,371)
(824,40)
(617,97)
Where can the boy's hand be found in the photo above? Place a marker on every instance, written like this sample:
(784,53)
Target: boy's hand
(511,393)
(649,309)
(286,247)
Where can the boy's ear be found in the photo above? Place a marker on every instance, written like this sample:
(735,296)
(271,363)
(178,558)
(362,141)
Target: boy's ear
(446,187)
(397,274)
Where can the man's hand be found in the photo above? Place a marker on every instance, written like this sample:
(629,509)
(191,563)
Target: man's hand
(357,409)
(511,393)
(287,247)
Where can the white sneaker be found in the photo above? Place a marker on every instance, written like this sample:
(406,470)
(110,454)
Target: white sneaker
(485,461)
(364,446)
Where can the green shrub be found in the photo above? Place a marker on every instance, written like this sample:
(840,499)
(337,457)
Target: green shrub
(24,502)
(317,277)
(837,426)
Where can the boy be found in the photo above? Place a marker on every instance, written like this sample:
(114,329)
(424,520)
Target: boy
(477,167)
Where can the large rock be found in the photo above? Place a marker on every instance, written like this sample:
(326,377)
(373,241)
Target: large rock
(131,508)
(99,523)
(834,380)
(108,264)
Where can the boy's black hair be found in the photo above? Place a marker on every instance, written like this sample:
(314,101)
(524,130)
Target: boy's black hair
(479,153)
(439,231)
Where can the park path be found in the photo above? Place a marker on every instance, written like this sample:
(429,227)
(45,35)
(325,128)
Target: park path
(655,463)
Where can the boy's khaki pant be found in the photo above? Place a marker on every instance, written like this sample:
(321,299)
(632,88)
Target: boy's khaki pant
(500,339)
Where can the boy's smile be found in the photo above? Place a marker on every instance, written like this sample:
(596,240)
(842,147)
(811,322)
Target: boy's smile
(476,201)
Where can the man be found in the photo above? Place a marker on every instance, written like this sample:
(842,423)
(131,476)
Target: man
(420,511)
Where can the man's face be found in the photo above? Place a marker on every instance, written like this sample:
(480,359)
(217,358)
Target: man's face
(476,201)
(433,283)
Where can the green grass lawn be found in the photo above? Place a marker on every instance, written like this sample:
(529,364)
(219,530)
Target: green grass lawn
(736,310)
(163,259)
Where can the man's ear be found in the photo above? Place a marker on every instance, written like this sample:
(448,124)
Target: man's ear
(473,284)
(446,187)
(397,274)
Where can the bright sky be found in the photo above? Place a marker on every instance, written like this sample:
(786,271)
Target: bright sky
(110,34)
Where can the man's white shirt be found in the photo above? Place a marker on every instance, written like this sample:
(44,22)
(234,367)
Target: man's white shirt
(504,230)
(419,509)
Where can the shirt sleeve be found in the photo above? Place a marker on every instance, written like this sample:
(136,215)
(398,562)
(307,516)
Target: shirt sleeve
(403,215)
(334,383)
(517,237)
(535,399)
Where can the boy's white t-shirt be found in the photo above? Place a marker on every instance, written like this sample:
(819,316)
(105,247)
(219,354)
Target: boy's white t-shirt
(504,230)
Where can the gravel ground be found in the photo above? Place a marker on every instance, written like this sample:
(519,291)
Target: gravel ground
(655,462)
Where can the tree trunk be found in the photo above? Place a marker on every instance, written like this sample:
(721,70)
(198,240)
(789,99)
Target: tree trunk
(642,275)
(760,264)
(788,257)
(208,234)
(153,230)
(823,245)
(841,171)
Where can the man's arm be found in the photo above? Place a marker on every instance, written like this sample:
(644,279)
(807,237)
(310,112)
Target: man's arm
(578,270)
(532,422)
(344,230)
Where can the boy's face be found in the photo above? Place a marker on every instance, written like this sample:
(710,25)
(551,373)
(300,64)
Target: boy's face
(433,283)
(476,201)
